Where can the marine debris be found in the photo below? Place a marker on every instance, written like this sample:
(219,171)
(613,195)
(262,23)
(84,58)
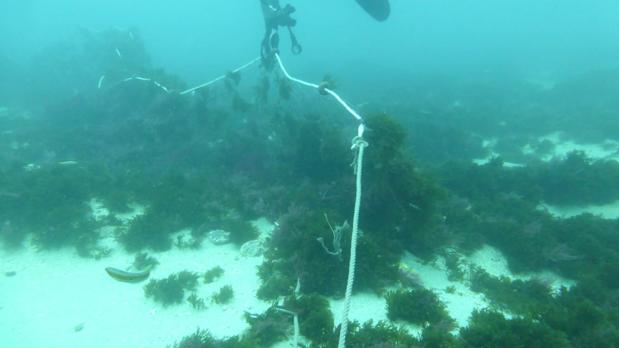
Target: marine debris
(127,276)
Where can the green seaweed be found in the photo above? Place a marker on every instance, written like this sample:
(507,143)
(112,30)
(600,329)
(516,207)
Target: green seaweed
(522,297)
(400,200)
(440,336)
(212,274)
(204,339)
(490,329)
(315,317)
(51,205)
(144,261)
(380,334)
(241,231)
(196,302)
(173,204)
(171,290)
(418,306)
(224,295)
(269,327)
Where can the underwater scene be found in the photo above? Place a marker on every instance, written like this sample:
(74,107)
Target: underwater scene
(317,174)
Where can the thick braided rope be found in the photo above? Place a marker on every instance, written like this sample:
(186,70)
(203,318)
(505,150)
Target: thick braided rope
(359,144)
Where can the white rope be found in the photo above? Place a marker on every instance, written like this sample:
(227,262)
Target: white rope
(297,331)
(206,84)
(358,144)
(137,78)
(167,90)
(295,323)
(161,86)
(331,92)
(281,66)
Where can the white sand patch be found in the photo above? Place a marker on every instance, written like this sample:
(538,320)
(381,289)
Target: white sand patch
(494,262)
(489,144)
(135,211)
(53,292)
(364,307)
(506,164)
(608,149)
(491,260)
(98,210)
(606,211)
(457,296)
(264,227)
(461,302)
(513,165)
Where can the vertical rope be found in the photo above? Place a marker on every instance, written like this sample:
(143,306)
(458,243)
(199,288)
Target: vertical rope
(360,145)
(297,331)
(295,323)
(357,144)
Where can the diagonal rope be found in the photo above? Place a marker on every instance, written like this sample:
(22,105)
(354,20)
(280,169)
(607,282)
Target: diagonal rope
(313,85)
(167,90)
(206,84)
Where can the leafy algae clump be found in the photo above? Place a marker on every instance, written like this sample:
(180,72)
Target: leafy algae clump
(418,306)
(171,290)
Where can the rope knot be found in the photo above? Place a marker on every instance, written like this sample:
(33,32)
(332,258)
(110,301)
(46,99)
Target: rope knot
(358,142)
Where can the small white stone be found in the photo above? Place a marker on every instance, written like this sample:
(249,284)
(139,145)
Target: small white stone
(253,248)
(218,237)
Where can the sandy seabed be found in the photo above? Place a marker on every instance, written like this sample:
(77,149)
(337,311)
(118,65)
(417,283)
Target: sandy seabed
(57,299)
